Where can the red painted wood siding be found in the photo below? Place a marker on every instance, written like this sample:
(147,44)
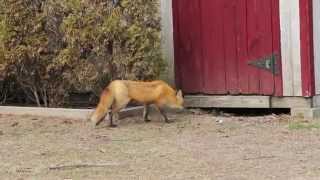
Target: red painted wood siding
(188,47)
(215,40)
(276,46)
(307,55)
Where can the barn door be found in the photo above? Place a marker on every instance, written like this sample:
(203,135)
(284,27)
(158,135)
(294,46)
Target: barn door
(188,45)
(227,47)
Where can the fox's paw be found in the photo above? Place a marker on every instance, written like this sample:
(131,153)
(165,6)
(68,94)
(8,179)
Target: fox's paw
(91,125)
(147,120)
(169,121)
(113,125)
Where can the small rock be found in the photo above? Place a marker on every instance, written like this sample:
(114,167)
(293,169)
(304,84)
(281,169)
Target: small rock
(220,121)
(220,131)
(67,122)
(198,111)
(285,132)
(1,133)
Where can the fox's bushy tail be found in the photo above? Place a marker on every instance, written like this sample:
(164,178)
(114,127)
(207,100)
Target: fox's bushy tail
(105,103)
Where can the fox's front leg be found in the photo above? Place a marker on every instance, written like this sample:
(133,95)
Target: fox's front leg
(146,113)
(162,112)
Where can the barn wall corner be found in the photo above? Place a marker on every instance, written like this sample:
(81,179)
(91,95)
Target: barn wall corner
(316,44)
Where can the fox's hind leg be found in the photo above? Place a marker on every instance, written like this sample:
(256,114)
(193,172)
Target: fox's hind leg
(146,113)
(111,120)
(117,106)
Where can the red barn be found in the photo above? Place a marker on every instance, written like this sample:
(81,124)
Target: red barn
(248,53)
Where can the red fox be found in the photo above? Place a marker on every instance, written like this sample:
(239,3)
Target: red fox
(120,92)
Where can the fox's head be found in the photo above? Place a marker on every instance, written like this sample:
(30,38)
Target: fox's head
(177,101)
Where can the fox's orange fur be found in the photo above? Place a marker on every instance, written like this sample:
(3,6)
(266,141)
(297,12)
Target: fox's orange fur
(120,92)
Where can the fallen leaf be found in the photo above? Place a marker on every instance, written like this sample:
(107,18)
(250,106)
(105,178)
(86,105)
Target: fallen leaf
(102,150)
(14,124)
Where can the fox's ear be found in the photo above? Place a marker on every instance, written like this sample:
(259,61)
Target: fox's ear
(179,93)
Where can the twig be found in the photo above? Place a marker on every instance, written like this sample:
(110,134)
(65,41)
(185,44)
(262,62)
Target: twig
(35,93)
(259,157)
(77,166)
(3,97)
(125,140)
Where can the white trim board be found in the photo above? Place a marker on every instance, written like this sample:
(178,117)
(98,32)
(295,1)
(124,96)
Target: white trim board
(290,47)
(316,41)
(167,37)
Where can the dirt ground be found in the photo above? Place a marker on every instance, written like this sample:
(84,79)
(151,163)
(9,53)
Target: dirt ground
(193,147)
